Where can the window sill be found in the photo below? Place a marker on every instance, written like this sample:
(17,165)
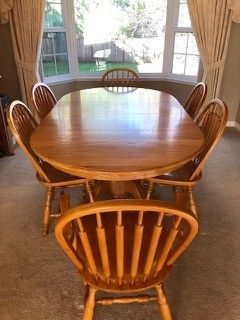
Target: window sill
(96,77)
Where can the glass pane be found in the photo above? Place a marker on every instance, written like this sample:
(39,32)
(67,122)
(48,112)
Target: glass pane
(192,63)
(180,42)
(192,45)
(179,63)
(47,43)
(49,68)
(53,14)
(60,42)
(184,18)
(113,33)
(62,64)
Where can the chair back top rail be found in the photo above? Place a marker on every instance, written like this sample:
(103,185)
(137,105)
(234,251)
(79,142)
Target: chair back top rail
(212,120)
(22,124)
(43,99)
(196,99)
(125,244)
(120,77)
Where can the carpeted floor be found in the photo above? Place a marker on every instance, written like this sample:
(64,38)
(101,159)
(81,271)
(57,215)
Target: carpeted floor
(38,282)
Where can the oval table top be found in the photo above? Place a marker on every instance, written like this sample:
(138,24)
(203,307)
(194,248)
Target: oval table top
(102,135)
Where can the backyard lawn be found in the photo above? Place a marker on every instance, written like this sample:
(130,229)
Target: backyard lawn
(85,67)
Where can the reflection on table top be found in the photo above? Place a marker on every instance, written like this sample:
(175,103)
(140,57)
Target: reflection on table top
(103,135)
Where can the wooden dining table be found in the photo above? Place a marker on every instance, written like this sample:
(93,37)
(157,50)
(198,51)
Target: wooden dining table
(114,136)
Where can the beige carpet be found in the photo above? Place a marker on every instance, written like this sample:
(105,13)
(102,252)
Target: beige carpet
(37,281)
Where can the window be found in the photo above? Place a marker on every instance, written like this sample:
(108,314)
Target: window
(84,38)
(54,43)
(186,56)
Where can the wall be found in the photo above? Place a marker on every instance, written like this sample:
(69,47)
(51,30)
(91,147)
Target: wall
(231,78)
(179,90)
(238,115)
(9,81)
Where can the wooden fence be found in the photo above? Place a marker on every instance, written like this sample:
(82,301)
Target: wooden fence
(129,50)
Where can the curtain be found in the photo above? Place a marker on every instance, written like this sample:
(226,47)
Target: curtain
(234,5)
(5,7)
(26,20)
(211,21)
(26,24)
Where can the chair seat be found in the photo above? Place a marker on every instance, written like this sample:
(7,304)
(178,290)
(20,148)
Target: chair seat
(181,176)
(58,178)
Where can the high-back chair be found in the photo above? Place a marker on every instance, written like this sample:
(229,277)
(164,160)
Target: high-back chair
(212,121)
(22,125)
(43,99)
(125,246)
(196,99)
(120,80)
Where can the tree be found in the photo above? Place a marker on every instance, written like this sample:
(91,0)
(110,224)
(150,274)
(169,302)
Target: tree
(121,3)
(141,21)
(52,17)
(80,6)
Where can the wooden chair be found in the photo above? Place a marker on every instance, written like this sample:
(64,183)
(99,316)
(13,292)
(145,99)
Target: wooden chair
(120,80)
(196,100)
(22,124)
(43,99)
(212,122)
(125,246)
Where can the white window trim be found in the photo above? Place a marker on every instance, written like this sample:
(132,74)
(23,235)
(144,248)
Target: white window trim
(75,75)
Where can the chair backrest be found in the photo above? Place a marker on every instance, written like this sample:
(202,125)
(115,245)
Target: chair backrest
(120,77)
(196,99)
(22,124)
(125,244)
(43,99)
(212,121)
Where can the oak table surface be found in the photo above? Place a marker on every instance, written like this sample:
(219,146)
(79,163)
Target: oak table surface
(98,134)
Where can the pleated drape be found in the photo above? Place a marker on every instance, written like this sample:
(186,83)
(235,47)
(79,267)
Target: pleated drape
(26,21)
(211,21)
(5,7)
(234,5)
(26,30)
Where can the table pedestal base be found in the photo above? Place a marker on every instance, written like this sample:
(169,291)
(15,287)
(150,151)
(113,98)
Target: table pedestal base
(119,190)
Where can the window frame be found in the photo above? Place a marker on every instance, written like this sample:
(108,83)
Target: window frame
(172,14)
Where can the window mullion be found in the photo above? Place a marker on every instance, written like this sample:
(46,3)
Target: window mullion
(172,12)
(69,20)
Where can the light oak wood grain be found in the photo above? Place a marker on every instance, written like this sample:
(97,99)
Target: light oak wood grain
(22,124)
(212,120)
(103,135)
(125,246)
(120,80)
(43,100)
(196,100)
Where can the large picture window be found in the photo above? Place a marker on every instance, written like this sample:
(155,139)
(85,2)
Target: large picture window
(84,38)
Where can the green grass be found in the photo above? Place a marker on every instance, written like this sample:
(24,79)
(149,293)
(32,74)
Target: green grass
(62,67)
(49,68)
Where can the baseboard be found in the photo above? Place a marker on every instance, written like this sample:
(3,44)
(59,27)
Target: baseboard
(237,126)
(233,124)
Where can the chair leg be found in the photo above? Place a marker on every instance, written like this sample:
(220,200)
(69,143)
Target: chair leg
(192,203)
(89,192)
(179,196)
(149,190)
(89,304)
(47,210)
(163,304)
